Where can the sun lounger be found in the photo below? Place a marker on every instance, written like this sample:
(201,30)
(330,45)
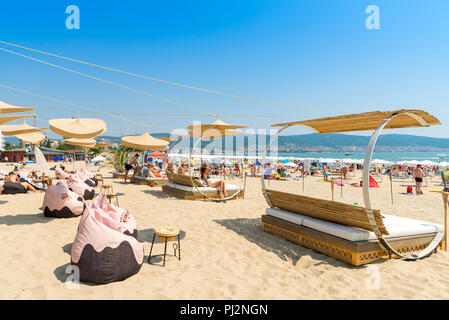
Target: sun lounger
(341,230)
(181,186)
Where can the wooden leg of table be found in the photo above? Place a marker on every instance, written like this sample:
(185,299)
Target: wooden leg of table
(179,247)
(151,250)
(165,250)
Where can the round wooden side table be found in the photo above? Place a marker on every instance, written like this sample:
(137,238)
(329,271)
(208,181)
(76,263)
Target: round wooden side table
(165,234)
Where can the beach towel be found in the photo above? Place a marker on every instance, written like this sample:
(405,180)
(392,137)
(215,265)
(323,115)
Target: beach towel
(60,202)
(102,253)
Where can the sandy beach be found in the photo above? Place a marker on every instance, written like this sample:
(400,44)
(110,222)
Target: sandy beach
(225,253)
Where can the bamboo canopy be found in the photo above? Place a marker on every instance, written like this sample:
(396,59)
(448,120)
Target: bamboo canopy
(144,142)
(8,108)
(33,138)
(81,142)
(15,129)
(78,128)
(5,119)
(367,121)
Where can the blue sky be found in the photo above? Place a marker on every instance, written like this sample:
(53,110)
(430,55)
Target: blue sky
(316,54)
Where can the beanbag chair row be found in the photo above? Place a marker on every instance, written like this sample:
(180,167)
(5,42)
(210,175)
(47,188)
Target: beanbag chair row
(127,225)
(11,188)
(60,202)
(61,174)
(87,176)
(101,251)
(78,186)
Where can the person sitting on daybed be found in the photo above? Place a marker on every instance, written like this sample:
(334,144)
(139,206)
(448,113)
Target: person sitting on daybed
(182,169)
(170,168)
(213,184)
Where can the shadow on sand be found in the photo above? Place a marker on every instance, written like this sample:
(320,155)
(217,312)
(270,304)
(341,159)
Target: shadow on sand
(251,229)
(158,194)
(24,219)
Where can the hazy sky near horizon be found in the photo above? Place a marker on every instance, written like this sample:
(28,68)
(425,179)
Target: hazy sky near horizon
(315,54)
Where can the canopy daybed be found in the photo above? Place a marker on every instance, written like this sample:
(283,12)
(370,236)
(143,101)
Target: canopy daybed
(356,235)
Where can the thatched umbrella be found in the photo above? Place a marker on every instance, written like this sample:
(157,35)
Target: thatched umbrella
(78,128)
(144,142)
(5,119)
(81,142)
(8,108)
(32,138)
(15,129)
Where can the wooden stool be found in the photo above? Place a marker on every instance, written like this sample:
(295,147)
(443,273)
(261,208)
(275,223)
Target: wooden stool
(109,196)
(106,187)
(99,180)
(167,233)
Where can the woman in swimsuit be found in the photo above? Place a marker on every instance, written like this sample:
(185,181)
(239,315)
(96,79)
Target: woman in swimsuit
(213,184)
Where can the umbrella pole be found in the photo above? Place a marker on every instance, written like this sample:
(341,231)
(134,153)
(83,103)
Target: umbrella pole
(341,181)
(391,188)
(332,188)
(445,199)
(303,182)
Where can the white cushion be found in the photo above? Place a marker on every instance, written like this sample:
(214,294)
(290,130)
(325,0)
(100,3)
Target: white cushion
(285,215)
(396,226)
(230,188)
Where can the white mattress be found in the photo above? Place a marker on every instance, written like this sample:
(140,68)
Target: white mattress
(396,226)
(229,188)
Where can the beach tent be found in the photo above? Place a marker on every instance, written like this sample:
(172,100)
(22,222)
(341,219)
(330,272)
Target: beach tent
(80,128)
(271,172)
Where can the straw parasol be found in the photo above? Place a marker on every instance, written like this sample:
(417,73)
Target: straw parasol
(88,143)
(8,108)
(78,128)
(15,129)
(144,142)
(5,119)
(217,125)
(32,138)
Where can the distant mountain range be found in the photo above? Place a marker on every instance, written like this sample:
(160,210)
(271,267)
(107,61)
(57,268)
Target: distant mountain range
(337,142)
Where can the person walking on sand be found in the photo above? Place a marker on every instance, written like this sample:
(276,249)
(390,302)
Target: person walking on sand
(418,173)
(132,163)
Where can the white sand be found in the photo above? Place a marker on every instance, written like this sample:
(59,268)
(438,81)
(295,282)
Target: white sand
(225,254)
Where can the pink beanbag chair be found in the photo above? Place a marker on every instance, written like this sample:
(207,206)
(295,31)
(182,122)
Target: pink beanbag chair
(60,202)
(87,176)
(61,174)
(102,252)
(76,185)
(1,186)
(128,224)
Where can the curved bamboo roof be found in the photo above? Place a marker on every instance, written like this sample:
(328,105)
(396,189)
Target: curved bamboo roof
(15,129)
(78,128)
(144,142)
(367,121)
(33,138)
(7,108)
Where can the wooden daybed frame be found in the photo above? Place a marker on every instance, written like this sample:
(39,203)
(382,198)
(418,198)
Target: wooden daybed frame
(353,252)
(190,195)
